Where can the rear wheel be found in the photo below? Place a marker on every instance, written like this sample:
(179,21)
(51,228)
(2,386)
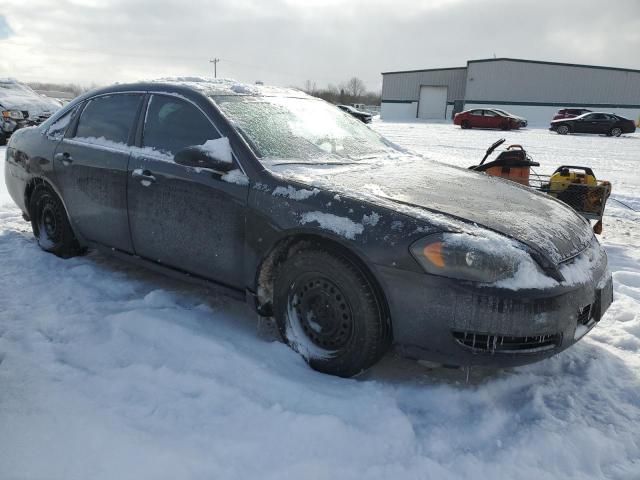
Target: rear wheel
(563,129)
(615,132)
(328,311)
(50,224)
(465,124)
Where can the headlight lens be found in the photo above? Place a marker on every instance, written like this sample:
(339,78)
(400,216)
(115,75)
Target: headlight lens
(468,257)
(13,114)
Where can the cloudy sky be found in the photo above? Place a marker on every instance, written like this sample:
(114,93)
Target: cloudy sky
(286,42)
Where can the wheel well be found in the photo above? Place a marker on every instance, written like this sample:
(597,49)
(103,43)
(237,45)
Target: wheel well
(268,270)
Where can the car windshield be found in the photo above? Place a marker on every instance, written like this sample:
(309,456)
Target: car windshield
(301,130)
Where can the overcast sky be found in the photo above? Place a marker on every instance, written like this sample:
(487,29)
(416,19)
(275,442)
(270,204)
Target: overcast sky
(286,42)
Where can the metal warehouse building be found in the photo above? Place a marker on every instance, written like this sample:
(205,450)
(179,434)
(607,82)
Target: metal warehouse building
(532,89)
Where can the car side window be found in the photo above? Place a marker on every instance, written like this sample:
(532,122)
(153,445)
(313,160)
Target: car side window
(489,113)
(172,124)
(476,112)
(58,128)
(109,118)
(598,116)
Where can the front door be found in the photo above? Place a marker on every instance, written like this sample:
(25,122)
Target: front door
(90,165)
(186,218)
(492,119)
(593,123)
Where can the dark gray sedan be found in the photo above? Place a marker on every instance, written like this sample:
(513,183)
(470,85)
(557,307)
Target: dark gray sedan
(351,243)
(594,122)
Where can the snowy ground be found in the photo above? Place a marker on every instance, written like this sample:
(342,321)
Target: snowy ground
(110,372)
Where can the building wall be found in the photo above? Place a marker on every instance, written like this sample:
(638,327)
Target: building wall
(535,90)
(405,86)
(398,110)
(551,84)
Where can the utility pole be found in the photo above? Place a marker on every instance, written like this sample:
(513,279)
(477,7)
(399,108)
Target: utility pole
(215,67)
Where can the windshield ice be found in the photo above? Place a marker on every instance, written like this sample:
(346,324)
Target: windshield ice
(307,130)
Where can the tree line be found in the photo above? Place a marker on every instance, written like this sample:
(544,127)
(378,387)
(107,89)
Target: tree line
(349,92)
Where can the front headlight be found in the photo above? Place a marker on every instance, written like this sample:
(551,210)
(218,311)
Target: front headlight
(13,114)
(491,259)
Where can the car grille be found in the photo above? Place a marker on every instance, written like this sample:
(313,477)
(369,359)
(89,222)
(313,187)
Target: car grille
(584,315)
(483,342)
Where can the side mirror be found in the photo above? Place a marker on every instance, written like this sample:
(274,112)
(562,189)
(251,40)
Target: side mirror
(198,157)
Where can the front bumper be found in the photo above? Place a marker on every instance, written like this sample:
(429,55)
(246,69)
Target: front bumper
(9,125)
(444,321)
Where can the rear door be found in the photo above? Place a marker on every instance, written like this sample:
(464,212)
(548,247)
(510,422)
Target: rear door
(90,166)
(185,218)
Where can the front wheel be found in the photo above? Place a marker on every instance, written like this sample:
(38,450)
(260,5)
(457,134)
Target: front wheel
(615,132)
(563,129)
(50,224)
(327,310)
(465,124)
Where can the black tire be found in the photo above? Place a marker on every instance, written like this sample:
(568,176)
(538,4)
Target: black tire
(506,126)
(615,132)
(50,224)
(327,310)
(465,124)
(3,139)
(563,129)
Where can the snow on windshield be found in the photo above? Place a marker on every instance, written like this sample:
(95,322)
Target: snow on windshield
(300,129)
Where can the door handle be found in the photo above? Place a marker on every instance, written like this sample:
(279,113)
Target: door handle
(64,157)
(143,175)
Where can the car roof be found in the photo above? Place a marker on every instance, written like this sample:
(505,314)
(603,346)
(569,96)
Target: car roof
(208,87)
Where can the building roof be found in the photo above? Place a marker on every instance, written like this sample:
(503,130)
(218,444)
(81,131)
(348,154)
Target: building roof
(560,64)
(502,59)
(426,70)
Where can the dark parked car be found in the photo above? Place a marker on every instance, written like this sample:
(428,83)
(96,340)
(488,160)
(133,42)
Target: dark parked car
(352,244)
(359,114)
(20,106)
(595,122)
(570,113)
(523,121)
(485,118)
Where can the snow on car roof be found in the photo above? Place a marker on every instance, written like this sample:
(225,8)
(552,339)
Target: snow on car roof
(214,87)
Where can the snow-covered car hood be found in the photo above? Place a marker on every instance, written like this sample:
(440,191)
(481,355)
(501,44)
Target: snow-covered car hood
(22,98)
(416,184)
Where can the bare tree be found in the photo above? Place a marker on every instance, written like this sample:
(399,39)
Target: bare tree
(310,87)
(355,88)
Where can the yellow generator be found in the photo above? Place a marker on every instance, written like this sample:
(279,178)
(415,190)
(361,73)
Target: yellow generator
(578,187)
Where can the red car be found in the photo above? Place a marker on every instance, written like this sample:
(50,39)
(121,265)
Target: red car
(485,118)
(570,113)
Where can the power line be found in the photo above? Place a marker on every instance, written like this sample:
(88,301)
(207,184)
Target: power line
(215,67)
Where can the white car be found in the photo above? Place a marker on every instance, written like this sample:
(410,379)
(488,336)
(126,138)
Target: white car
(20,106)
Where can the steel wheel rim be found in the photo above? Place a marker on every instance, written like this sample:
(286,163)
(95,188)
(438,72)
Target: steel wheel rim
(50,221)
(323,311)
(616,132)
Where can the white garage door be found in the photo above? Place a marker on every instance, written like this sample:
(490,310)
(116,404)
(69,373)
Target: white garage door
(433,102)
